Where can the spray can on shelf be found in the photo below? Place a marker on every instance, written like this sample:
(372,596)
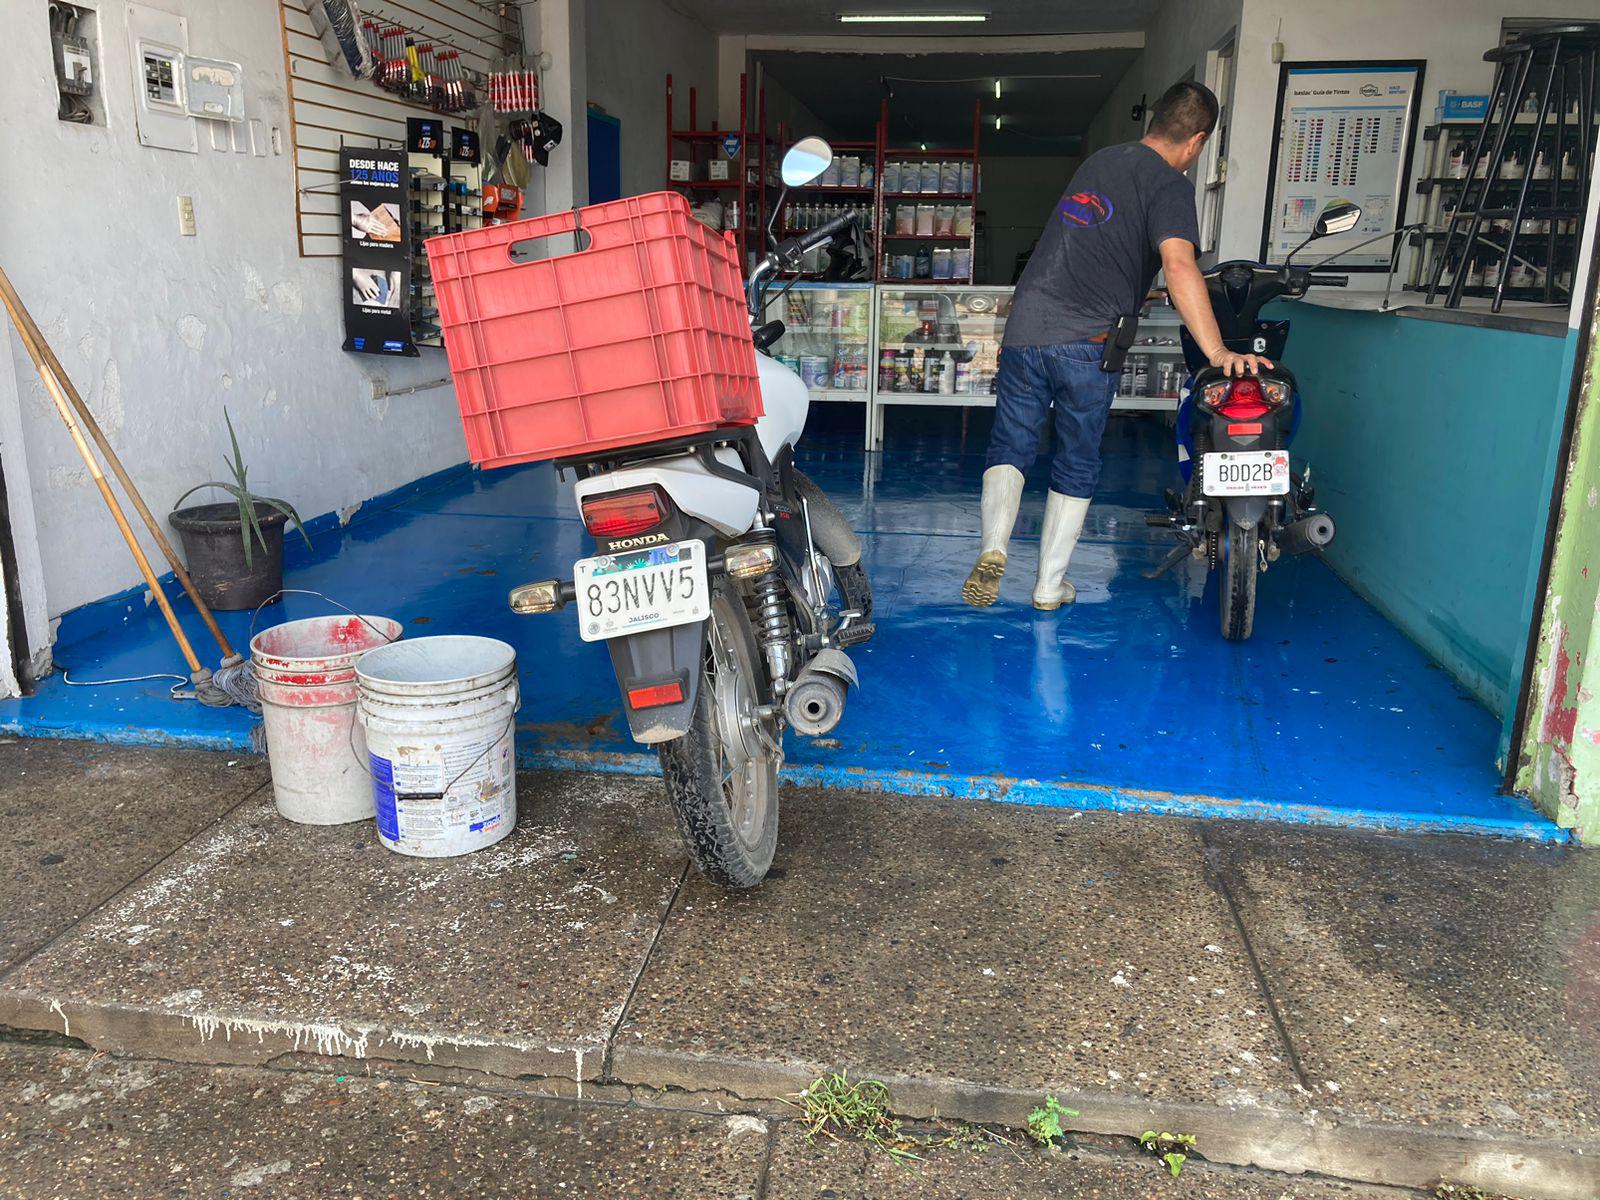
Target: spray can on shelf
(886,371)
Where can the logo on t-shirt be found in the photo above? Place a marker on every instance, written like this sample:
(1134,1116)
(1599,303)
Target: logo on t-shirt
(1083,209)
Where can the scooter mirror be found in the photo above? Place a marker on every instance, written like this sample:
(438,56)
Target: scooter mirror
(1339,217)
(806,160)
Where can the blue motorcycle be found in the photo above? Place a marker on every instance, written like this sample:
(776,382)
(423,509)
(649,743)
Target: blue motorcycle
(1242,507)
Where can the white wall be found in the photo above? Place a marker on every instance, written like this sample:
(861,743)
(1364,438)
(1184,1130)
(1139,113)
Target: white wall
(1017,198)
(160,331)
(633,45)
(1451,35)
(1183,33)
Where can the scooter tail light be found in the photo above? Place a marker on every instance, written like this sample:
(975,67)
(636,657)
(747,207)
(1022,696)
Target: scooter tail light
(1248,398)
(624,514)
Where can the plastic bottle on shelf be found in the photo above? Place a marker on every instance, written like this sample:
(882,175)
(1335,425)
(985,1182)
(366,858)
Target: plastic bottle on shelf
(947,375)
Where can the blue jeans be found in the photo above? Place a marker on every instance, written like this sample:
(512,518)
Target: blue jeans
(1068,378)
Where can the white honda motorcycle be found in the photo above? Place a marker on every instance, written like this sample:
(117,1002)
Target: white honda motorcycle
(727,587)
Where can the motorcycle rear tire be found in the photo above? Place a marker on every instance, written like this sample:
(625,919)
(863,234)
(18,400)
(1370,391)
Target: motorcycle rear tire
(1237,586)
(721,776)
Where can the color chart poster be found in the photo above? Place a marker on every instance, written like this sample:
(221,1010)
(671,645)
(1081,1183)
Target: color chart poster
(1344,133)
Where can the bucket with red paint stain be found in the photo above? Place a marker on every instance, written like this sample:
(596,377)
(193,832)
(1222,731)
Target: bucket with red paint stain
(306,676)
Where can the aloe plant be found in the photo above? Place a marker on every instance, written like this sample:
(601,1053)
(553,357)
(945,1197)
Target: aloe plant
(239,489)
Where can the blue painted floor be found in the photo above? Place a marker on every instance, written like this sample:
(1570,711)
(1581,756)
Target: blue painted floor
(1129,699)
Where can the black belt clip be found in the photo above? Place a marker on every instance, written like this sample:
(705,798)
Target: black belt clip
(1117,341)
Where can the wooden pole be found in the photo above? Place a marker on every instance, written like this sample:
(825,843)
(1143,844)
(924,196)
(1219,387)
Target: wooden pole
(65,409)
(27,328)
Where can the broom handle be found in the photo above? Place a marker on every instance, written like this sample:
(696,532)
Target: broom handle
(28,329)
(56,394)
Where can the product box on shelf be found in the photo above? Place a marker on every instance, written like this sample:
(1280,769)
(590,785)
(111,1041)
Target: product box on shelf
(720,168)
(681,170)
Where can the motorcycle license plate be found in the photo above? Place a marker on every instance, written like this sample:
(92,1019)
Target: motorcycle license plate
(1246,473)
(635,590)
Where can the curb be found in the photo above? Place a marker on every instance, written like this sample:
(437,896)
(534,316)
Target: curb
(1272,1139)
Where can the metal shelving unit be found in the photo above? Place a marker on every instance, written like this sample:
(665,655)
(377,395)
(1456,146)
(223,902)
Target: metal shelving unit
(887,237)
(748,185)
(1511,206)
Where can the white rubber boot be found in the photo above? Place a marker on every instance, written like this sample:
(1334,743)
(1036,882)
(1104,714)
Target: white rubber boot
(1002,496)
(1063,522)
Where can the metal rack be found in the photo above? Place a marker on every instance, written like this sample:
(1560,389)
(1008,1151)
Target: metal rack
(1520,191)
(969,196)
(701,147)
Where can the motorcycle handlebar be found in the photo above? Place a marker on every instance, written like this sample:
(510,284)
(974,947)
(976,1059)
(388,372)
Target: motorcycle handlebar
(1330,280)
(787,253)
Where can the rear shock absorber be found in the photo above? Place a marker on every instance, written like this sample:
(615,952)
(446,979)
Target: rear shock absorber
(772,627)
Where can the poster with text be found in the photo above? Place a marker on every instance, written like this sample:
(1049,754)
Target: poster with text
(1344,133)
(376,279)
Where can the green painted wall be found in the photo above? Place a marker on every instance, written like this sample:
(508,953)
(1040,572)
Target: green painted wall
(1559,768)
(1432,446)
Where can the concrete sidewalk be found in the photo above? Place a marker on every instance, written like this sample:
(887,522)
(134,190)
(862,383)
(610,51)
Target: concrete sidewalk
(1380,1009)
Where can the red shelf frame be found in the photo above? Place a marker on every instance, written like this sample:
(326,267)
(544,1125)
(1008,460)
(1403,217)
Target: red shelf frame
(753,149)
(881,236)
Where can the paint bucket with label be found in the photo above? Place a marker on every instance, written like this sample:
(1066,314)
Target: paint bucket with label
(438,714)
(306,677)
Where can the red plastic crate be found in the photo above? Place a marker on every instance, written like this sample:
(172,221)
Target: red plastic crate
(639,336)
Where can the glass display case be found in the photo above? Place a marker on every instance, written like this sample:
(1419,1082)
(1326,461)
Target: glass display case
(827,338)
(1153,371)
(938,345)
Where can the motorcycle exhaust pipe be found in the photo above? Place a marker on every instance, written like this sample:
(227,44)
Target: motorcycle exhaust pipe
(814,703)
(1307,534)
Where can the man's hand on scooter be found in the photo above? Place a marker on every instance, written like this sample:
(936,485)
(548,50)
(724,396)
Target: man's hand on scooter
(1237,364)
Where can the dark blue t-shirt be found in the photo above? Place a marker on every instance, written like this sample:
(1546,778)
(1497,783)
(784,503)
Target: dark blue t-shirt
(1101,250)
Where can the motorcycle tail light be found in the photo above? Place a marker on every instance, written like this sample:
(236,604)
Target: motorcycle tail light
(623,514)
(1247,398)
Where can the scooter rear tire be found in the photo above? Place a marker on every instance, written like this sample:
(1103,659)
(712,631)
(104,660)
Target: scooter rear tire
(1236,591)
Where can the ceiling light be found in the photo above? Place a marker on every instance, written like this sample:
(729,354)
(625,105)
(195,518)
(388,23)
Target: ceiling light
(997,122)
(913,18)
(997,89)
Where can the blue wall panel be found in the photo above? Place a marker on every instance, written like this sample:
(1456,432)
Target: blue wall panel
(1431,446)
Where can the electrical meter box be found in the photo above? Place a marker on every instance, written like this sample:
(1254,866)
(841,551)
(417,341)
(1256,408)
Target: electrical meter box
(213,88)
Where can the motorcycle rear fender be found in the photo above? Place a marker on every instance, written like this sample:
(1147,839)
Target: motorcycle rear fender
(1246,511)
(655,657)
(662,656)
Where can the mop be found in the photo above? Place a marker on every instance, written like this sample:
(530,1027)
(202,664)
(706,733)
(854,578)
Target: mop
(232,682)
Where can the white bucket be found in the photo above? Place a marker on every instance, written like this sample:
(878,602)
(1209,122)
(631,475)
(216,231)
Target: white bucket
(306,676)
(438,714)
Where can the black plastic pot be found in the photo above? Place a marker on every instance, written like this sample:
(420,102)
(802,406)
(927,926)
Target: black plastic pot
(213,548)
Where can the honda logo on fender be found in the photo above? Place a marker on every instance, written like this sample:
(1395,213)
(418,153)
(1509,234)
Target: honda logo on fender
(647,539)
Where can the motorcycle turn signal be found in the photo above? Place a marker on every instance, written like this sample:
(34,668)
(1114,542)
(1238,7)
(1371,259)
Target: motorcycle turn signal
(541,597)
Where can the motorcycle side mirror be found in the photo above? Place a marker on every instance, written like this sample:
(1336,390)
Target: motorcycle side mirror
(1339,217)
(806,160)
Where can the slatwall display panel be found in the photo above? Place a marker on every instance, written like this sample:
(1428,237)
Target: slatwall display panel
(330,109)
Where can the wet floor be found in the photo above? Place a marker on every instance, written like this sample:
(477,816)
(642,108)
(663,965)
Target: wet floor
(1128,699)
